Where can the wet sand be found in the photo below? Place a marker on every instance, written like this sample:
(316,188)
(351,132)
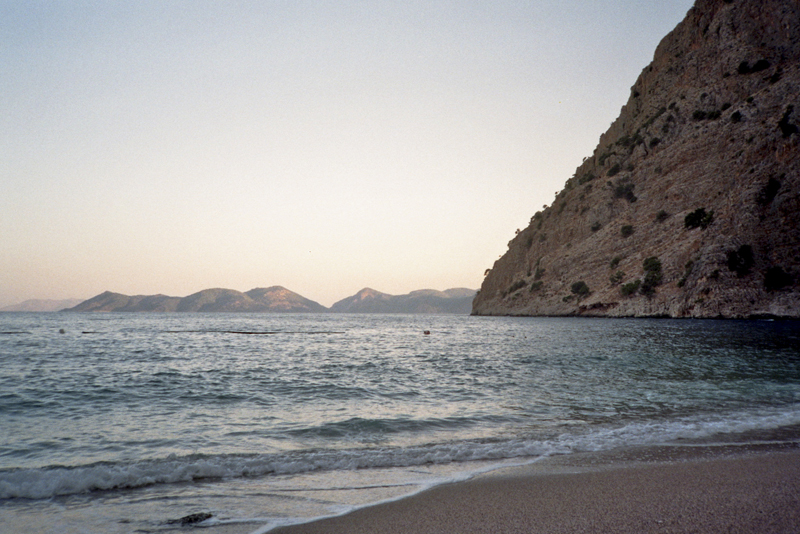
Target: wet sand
(758,492)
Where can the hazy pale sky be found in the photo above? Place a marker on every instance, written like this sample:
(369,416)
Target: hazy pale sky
(172,146)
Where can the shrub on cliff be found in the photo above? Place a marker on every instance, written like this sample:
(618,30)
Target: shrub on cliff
(745,68)
(686,272)
(630,288)
(741,261)
(776,278)
(625,190)
(626,230)
(786,127)
(652,264)
(698,218)
(519,284)
(652,275)
(580,289)
(769,192)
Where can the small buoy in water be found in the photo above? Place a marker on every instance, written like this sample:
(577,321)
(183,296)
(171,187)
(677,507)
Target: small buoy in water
(427,332)
(62,331)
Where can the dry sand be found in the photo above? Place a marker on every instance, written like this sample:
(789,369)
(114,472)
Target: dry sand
(757,493)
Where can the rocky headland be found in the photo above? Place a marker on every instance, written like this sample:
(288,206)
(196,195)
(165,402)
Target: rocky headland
(690,204)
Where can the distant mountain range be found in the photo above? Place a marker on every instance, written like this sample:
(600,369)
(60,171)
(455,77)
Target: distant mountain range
(423,301)
(270,299)
(278,299)
(41,305)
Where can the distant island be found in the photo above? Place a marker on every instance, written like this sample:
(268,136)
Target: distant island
(277,299)
(41,305)
(458,300)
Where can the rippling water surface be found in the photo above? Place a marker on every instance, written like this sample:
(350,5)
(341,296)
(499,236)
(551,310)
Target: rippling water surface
(125,421)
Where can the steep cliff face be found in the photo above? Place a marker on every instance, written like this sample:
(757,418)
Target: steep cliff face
(690,204)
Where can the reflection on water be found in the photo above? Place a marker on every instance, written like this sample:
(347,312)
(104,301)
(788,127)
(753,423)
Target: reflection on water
(260,417)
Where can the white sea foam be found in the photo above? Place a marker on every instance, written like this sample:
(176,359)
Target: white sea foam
(59,480)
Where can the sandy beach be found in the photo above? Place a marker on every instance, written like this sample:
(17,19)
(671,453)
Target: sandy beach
(757,492)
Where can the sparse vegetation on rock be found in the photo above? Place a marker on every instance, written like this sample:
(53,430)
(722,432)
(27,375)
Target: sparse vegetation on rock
(687,271)
(741,261)
(624,189)
(580,289)
(787,128)
(519,284)
(776,278)
(769,192)
(652,275)
(699,218)
(710,137)
(630,288)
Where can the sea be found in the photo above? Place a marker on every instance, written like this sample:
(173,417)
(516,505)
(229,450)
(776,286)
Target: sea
(129,423)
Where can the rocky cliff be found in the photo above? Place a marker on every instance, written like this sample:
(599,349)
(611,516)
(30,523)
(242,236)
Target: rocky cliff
(690,204)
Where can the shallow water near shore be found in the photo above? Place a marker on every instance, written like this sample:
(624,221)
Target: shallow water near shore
(127,422)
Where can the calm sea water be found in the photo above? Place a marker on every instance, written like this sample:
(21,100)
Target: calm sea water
(123,422)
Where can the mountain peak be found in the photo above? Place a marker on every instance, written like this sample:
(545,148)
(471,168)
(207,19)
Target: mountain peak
(422,301)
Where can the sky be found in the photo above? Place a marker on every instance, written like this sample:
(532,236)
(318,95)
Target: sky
(325,146)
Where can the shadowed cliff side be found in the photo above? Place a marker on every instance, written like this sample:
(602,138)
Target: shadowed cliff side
(690,204)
